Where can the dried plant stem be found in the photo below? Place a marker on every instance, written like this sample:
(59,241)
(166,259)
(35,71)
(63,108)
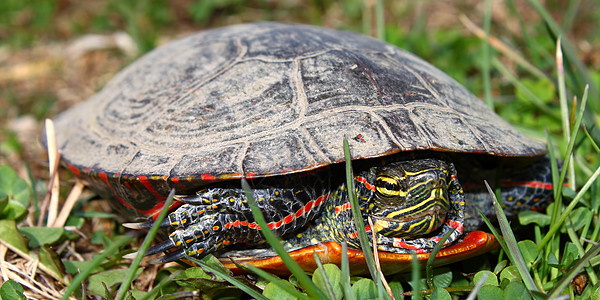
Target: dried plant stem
(68,205)
(53,166)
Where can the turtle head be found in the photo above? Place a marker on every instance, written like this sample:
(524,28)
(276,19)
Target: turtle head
(412,198)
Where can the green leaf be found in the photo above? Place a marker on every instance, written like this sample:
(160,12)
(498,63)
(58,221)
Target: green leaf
(16,190)
(490,292)
(3,200)
(552,261)
(511,273)
(580,217)
(440,294)
(490,280)
(500,266)
(41,235)
(11,290)
(529,251)
(195,272)
(365,289)
(225,293)
(109,278)
(50,261)
(442,277)
(542,88)
(530,216)
(273,291)
(516,291)
(570,255)
(74,267)
(334,276)
(397,290)
(197,278)
(11,236)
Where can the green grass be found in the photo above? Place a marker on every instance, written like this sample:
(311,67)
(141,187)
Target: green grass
(520,78)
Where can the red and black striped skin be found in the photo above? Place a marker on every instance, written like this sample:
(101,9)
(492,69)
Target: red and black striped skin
(306,211)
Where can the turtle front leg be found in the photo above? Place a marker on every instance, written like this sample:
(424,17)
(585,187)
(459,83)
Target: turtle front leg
(217,217)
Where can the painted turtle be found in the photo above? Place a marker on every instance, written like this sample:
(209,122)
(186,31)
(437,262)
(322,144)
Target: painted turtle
(272,103)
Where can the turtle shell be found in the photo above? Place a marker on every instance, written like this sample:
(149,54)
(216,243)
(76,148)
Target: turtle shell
(266,99)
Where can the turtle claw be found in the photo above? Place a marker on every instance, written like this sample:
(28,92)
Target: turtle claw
(147,225)
(173,256)
(141,225)
(162,247)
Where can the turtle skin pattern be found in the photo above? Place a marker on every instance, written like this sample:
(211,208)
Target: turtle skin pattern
(412,203)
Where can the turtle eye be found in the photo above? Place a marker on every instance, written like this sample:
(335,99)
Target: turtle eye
(388,186)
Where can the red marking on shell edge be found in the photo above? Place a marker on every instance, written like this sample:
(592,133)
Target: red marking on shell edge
(175,179)
(368,228)
(135,194)
(250,175)
(155,211)
(144,180)
(531,184)
(104,177)
(207,177)
(75,171)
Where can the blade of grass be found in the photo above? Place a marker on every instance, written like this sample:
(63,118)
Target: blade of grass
(320,267)
(477,287)
(521,87)
(558,216)
(431,259)
(566,279)
(511,242)
(135,264)
(416,276)
(240,285)
(303,279)
(486,61)
(98,259)
(345,269)
(282,284)
(575,239)
(356,214)
(380,19)
(161,284)
(360,224)
(537,53)
(381,277)
(503,48)
(569,49)
(564,109)
(565,213)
